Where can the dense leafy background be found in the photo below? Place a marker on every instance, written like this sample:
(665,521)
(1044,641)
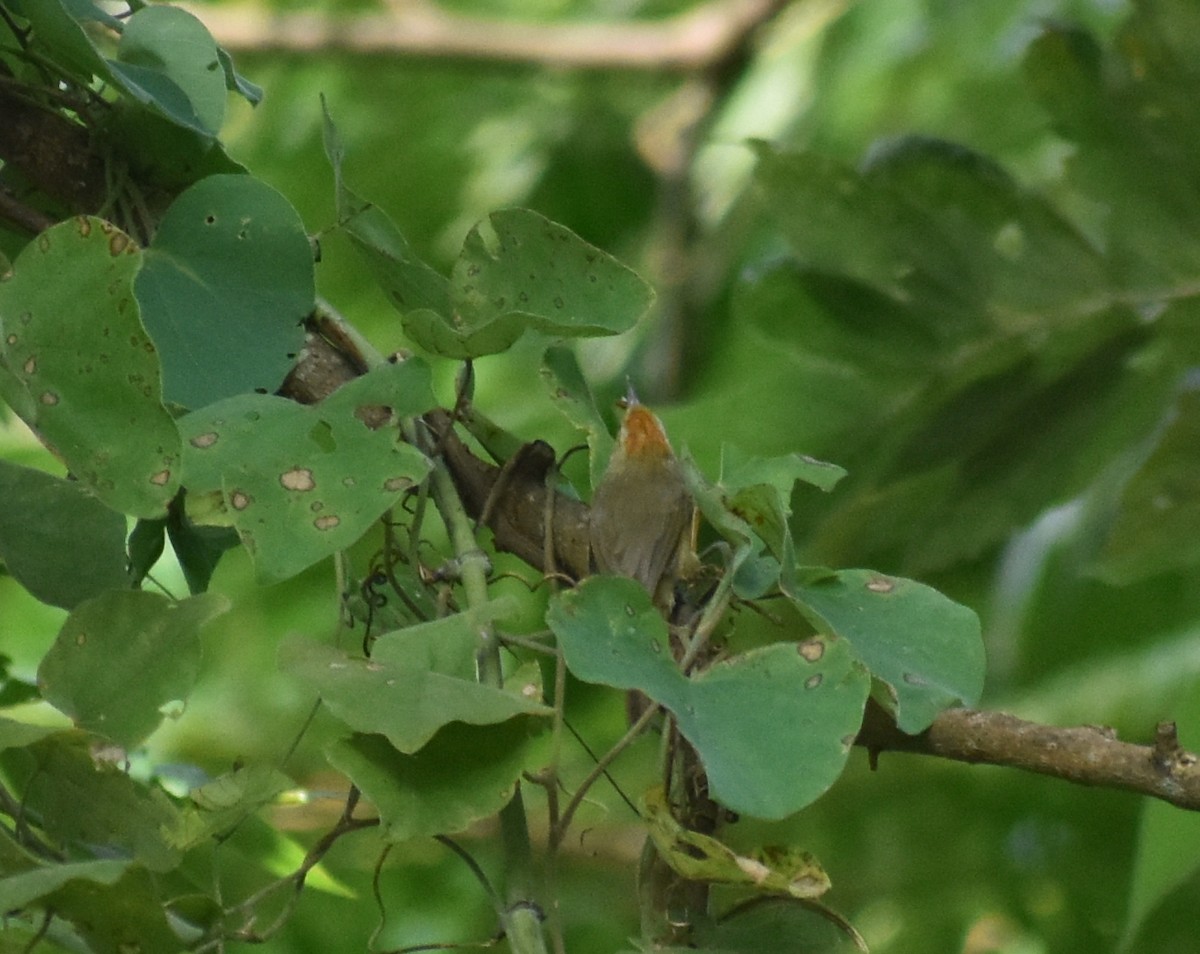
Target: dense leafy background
(992,337)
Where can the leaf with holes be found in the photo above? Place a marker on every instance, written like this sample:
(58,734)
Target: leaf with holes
(519,271)
(297,482)
(80,370)
(925,647)
(772,726)
(227,282)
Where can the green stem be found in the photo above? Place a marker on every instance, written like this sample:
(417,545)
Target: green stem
(521,918)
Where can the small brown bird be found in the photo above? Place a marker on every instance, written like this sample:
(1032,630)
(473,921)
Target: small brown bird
(641,513)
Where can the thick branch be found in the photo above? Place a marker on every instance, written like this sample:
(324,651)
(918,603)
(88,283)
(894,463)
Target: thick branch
(1086,755)
(54,154)
(694,40)
(512,501)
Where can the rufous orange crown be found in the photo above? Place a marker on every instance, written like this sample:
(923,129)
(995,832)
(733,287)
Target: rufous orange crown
(642,434)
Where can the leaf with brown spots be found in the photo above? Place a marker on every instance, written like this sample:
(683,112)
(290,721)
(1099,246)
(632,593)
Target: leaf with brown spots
(297,482)
(78,367)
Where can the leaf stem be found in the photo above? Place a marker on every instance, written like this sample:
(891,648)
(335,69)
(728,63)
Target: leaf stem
(521,918)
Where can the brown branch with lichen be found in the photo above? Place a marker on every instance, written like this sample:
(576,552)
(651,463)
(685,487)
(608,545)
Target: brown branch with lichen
(1086,755)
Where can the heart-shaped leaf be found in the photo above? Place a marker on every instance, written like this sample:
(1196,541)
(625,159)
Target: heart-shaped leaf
(927,648)
(773,726)
(227,282)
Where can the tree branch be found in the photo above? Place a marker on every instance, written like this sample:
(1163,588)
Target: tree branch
(57,156)
(1086,755)
(695,40)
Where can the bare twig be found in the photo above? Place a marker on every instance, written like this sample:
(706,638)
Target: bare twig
(23,216)
(1086,755)
(687,42)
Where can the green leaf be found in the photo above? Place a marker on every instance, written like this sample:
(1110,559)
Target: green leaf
(227,282)
(172,43)
(758,490)
(124,658)
(767,759)
(236,83)
(113,919)
(740,470)
(933,222)
(710,500)
(224,802)
(781,924)
(926,648)
(147,541)
(298,482)
(84,800)
(410,284)
(416,681)
(16,735)
(1157,524)
(1128,108)
(57,540)
(464,774)
(562,375)
(198,549)
(88,378)
(63,38)
(519,271)
(160,151)
(19,890)
(1168,841)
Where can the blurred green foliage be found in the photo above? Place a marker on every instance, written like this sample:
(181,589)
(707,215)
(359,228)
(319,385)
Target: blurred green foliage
(994,338)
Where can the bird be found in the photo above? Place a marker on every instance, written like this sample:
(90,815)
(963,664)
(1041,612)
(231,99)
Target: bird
(641,511)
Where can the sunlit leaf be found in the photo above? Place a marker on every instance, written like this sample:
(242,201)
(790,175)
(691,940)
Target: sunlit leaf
(699,857)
